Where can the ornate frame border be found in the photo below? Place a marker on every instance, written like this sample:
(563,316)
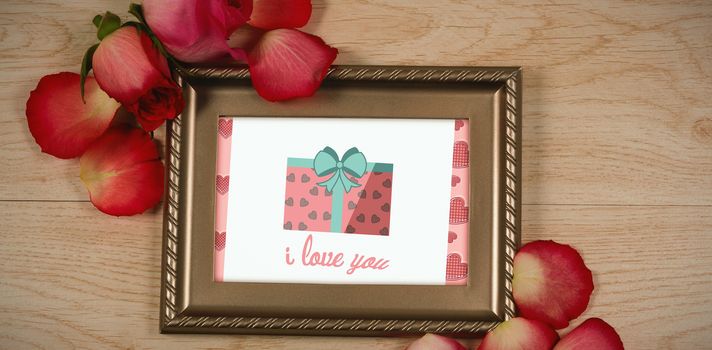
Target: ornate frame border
(170,319)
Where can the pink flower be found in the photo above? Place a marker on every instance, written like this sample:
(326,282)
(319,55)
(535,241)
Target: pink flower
(130,69)
(284,62)
(195,30)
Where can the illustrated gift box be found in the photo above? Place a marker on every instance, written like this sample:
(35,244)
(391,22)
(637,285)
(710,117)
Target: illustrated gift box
(332,194)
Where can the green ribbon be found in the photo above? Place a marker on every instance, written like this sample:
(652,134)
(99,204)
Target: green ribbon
(352,163)
(327,162)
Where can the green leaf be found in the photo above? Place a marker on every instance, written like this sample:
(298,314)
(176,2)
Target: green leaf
(137,11)
(109,23)
(86,67)
(97,21)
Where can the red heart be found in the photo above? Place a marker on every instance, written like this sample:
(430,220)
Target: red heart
(455,269)
(222,184)
(451,236)
(219,240)
(461,155)
(459,213)
(455,181)
(459,123)
(225,127)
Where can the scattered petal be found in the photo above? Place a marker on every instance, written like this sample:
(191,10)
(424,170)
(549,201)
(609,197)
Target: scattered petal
(520,334)
(287,63)
(593,333)
(122,172)
(551,283)
(130,69)
(435,342)
(194,30)
(274,14)
(60,122)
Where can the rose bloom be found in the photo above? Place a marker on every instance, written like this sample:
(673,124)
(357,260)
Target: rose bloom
(131,70)
(284,62)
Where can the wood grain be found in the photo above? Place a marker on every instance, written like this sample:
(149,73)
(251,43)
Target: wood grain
(70,277)
(614,93)
(617,162)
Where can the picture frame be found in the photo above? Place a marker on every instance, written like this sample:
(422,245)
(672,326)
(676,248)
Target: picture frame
(191,302)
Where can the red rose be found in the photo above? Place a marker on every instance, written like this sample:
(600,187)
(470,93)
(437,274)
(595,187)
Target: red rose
(158,104)
(284,62)
(130,69)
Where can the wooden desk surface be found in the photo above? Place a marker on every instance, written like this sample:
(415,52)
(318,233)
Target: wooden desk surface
(617,162)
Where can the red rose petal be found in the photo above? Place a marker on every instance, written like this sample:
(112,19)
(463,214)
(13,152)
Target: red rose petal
(122,172)
(593,333)
(287,63)
(551,283)
(435,342)
(273,14)
(520,334)
(60,122)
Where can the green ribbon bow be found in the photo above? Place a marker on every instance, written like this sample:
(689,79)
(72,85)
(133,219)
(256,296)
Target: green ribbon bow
(352,163)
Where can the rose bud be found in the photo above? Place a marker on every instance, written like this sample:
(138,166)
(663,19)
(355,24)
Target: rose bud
(122,172)
(61,123)
(551,283)
(520,334)
(131,69)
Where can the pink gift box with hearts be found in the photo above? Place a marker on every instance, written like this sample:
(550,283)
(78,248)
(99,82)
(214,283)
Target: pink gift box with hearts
(364,209)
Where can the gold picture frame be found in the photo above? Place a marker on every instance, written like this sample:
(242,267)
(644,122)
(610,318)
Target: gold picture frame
(191,302)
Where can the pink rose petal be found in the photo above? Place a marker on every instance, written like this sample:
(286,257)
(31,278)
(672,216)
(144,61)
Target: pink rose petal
(520,334)
(286,63)
(551,283)
(593,333)
(435,342)
(122,172)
